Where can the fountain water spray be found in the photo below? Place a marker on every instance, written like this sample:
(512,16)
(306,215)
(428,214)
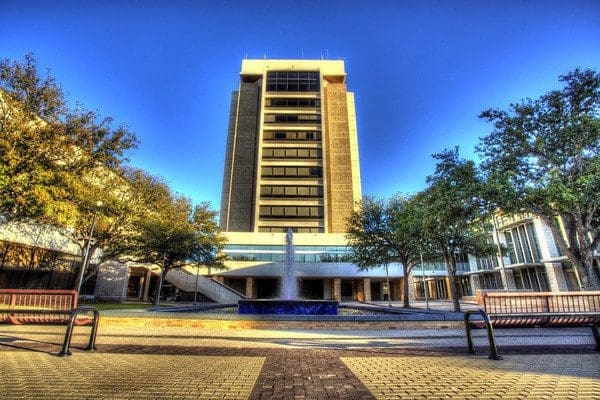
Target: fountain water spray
(289,289)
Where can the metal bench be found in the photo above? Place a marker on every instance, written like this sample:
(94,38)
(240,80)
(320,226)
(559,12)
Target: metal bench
(39,306)
(542,309)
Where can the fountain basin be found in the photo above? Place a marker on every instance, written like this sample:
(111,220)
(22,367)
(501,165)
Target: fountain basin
(288,307)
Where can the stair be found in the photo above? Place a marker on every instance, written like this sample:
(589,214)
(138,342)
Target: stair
(216,291)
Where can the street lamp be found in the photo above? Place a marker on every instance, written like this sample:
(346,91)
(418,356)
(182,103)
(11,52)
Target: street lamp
(86,256)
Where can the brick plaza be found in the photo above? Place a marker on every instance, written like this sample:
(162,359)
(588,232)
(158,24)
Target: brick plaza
(192,363)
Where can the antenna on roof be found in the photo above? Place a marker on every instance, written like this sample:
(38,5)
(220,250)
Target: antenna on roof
(327,52)
(265,56)
(246,56)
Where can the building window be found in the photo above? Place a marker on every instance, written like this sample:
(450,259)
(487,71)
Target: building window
(293,81)
(292,172)
(306,136)
(522,244)
(291,212)
(531,278)
(293,102)
(292,118)
(291,153)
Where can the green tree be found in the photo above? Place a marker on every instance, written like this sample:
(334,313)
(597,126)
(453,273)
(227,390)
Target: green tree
(543,157)
(45,148)
(452,213)
(171,233)
(383,232)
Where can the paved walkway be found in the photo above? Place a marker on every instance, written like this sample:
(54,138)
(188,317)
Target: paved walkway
(177,363)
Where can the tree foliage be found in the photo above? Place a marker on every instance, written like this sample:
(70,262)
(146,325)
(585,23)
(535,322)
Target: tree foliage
(168,231)
(383,232)
(45,148)
(452,213)
(543,157)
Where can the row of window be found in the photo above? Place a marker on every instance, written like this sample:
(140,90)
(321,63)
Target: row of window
(292,172)
(292,118)
(270,152)
(278,229)
(522,244)
(301,212)
(308,136)
(268,191)
(279,257)
(281,248)
(293,102)
(293,81)
(487,263)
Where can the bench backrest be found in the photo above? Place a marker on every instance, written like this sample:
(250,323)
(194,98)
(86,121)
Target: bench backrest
(45,299)
(566,304)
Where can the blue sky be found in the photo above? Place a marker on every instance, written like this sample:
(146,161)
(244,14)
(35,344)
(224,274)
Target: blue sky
(421,70)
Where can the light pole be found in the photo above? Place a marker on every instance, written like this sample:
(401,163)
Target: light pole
(86,256)
(424,283)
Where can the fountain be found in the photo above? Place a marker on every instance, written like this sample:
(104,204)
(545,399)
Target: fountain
(288,304)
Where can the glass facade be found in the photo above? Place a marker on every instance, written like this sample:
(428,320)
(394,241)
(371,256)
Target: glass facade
(273,253)
(522,245)
(293,81)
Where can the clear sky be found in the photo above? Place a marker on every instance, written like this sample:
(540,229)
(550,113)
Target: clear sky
(421,70)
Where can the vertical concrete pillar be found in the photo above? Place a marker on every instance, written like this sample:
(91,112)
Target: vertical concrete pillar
(475,283)
(449,287)
(508,279)
(250,287)
(367,288)
(147,278)
(556,277)
(411,287)
(431,290)
(337,289)
(396,289)
(360,290)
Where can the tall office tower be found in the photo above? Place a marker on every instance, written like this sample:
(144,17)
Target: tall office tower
(292,152)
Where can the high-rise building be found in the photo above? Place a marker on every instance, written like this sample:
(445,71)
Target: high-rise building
(292,163)
(292,152)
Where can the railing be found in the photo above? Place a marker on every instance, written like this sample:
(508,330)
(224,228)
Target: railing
(65,351)
(490,333)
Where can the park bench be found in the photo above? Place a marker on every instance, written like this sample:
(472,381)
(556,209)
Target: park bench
(527,310)
(43,306)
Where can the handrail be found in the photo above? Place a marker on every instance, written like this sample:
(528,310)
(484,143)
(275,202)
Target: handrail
(69,334)
(490,332)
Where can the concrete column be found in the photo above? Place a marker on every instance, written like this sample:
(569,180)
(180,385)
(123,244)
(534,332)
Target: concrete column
(360,290)
(508,279)
(367,288)
(147,278)
(475,283)
(396,289)
(337,289)
(556,277)
(250,288)
(411,287)
(449,287)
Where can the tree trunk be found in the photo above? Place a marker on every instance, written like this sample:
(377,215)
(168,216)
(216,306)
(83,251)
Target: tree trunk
(451,268)
(581,256)
(163,273)
(406,303)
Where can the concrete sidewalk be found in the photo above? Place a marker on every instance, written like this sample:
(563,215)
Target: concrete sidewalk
(188,363)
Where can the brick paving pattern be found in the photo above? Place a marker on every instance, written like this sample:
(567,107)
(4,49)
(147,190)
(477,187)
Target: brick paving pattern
(35,375)
(563,376)
(177,364)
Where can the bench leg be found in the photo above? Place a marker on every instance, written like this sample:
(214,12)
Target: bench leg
(596,335)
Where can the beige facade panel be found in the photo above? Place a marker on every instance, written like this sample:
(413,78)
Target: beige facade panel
(339,163)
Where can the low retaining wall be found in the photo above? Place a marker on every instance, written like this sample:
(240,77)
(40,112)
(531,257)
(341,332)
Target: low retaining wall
(233,323)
